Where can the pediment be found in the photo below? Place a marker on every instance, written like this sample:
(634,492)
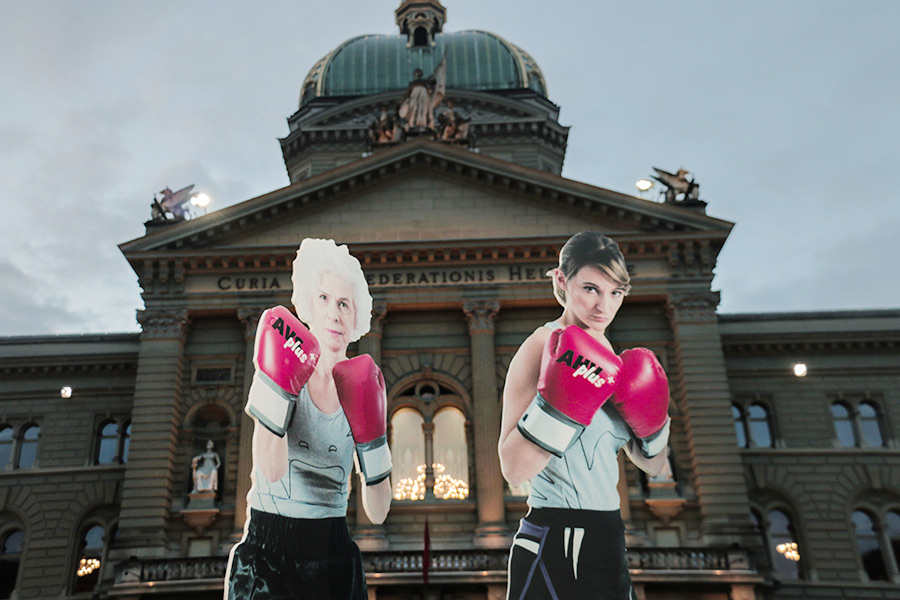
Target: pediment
(424,190)
(422,205)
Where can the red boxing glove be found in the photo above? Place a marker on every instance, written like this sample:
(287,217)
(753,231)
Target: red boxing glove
(642,399)
(578,374)
(285,356)
(360,389)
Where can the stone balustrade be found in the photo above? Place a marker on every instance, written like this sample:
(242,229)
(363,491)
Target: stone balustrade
(656,560)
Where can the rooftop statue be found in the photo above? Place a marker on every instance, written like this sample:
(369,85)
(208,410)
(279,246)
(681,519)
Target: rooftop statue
(677,184)
(422,97)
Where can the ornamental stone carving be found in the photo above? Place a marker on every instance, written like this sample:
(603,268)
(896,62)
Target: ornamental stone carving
(692,306)
(379,312)
(481,315)
(249,316)
(161,324)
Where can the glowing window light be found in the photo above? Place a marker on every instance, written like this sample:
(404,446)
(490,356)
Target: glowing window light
(86,566)
(445,486)
(789,550)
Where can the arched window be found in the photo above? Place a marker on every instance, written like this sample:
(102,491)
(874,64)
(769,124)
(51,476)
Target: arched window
(869,425)
(451,456)
(407,453)
(11,545)
(429,442)
(420,37)
(892,530)
(6,445)
(857,425)
(28,443)
(89,558)
(740,428)
(126,441)
(112,438)
(107,443)
(869,548)
(753,427)
(760,426)
(878,543)
(843,425)
(783,545)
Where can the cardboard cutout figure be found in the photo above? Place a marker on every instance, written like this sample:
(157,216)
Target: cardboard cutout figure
(569,405)
(312,408)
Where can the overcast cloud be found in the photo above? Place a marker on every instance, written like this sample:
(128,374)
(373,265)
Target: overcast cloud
(786,113)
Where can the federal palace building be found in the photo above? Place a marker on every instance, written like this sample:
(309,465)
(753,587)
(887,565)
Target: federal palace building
(784,478)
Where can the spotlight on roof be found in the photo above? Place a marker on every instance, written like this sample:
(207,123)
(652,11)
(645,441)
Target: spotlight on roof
(800,370)
(201,200)
(65,392)
(643,185)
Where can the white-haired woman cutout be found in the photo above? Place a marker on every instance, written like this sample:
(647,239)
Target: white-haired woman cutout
(296,542)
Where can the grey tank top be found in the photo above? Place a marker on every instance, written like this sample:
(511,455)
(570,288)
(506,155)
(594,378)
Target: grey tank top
(586,476)
(320,458)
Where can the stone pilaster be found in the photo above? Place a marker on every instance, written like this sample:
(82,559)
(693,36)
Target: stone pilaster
(699,382)
(491,532)
(371,342)
(249,317)
(147,489)
(369,535)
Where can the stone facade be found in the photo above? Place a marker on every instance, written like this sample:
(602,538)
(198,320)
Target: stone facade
(455,241)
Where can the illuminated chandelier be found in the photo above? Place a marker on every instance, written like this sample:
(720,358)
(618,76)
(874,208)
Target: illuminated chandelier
(789,550)
(86,566)
(445,485)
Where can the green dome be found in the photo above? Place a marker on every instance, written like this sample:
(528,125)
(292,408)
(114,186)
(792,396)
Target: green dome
(369,64)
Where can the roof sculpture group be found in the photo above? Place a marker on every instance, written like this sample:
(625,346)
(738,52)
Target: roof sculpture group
(415,114)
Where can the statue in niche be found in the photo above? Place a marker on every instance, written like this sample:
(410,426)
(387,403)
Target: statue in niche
(453,127)
(206,470)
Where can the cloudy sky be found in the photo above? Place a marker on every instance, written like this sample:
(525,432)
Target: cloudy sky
(787,113)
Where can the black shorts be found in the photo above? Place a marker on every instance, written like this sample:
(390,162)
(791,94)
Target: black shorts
(569,554)
(281,558)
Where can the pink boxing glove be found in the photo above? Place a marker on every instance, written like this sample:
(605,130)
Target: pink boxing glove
(642,399)
(360,389)
(285,356)
(578,374)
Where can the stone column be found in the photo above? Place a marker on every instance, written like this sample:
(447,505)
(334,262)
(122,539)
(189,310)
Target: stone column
(249,317)
(491,531)
(428,434)
(369,535)
(371,342)
(699,382)
(148,487)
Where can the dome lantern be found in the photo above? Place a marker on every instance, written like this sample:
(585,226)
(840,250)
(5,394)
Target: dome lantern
(420,20)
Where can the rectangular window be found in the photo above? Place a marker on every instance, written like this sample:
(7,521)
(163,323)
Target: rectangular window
(213,375)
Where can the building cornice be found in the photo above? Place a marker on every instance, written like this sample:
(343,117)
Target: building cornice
(57,365)
(809,346)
